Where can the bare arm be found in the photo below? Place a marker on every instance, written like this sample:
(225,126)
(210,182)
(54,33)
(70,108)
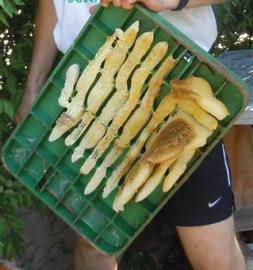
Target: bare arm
(44,54)
(197,3)
(159,5)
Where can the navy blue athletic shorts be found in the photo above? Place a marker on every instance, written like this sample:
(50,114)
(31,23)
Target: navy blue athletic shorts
(206,197)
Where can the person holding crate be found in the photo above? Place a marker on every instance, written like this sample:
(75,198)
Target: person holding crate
(202,209)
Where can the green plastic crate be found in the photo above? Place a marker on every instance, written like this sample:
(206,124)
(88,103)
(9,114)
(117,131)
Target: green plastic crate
(45,168)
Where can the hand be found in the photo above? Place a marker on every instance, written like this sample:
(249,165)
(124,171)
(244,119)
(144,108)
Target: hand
(126,4)
(92,9)
(24,106)
(155,5)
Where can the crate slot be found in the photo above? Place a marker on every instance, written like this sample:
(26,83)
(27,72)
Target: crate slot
(157,195)
(50,110)
(53,151)
(160,35)
(216,92)
(92,40)
(31,132)
(185,68)
(91,198)
(62,211)
(194,68)
(230,96)
(98,236)
(69,59)
(180,53)
(45,153)
(80,184)
(85,230)
(173,49)
(74,202)
(68,189)
(27,179)
(66,161)
(36,167)
(103,245)
(103,207)
(42,116)
(214,79)
(84,53)
(128,20)
(94,218)
(47,198)
(178,70)
(16,156)
(66,171)
(119,18)
(188,57)
(134,214)
(57,186)
(148,205)
(124,226)
(101,27)
(58,82)
(114,237)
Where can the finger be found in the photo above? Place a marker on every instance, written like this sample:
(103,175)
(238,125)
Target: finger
(105,3)
(117,3)
(126,4)
(132,2)
(92,9)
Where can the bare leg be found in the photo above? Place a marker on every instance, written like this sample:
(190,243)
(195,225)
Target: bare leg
(212,247)
(87,257)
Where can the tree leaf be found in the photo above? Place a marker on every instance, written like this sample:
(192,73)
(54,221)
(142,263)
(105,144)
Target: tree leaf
(18,2)
(8,109)
(9,251)
(2,227)
(2,248)
(3,19)
(10,9)
(1,106)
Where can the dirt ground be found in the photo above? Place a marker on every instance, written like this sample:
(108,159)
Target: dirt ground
(50,245)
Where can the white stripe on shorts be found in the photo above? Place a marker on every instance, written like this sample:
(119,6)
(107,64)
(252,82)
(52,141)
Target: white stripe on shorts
(226,165)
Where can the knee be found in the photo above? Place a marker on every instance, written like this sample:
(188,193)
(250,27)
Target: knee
(231,259)
(234,259)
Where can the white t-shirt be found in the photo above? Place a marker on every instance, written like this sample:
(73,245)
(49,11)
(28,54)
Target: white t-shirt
(198,23)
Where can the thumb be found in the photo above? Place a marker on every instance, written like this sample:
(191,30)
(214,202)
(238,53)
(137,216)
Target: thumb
(134,1)
(92,9)
(140,1)
(145,2)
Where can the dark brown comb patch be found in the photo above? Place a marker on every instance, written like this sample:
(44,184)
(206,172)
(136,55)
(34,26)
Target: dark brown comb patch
(171,141)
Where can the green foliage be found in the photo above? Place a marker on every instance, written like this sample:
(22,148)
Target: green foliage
(15,52)
(13,196)
(9,9)
(16,27)
(235,24)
